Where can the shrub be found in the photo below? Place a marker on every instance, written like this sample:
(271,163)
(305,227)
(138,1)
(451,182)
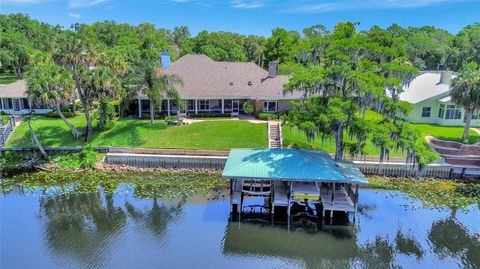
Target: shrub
(209,115)
(171,120)
(267,116)
(248,107)
(19,160)
(469,190)
(88,157)
(107,114)
(54,114)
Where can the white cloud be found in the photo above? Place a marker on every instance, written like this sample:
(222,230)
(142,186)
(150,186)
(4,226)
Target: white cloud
(75,15)
(314,7)
(84,3)
(242,4)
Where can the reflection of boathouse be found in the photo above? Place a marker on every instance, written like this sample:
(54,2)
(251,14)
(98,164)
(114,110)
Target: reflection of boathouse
(293,178)
(313,249)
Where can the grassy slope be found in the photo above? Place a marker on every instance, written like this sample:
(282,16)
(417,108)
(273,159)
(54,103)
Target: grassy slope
(139,133)
(293,136)
(453,133)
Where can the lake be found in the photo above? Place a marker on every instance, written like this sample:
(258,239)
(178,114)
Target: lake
(43,228)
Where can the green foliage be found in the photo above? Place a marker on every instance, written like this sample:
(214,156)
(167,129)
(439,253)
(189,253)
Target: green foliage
(7,79)
(171,120)
(267,116)
(220,46)
(279,45)
(248,107)
(107,114)
(469,190)
(164,183)
(209,115)
(436,193)
(11,160)
(54,114)
(87,157)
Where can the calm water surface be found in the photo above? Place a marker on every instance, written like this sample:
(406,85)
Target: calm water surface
(43,229)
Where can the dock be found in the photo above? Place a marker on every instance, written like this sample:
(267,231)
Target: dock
(304,183)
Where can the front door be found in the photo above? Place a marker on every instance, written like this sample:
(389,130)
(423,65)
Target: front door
(235,107)
(16,104)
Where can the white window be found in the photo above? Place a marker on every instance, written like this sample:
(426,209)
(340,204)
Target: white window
(453,113)
(441,111)
(203,104)
(426,111)
(270,106)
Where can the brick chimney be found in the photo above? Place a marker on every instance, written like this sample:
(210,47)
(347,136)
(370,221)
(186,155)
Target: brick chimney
(272,69)
(445,77)
(165,59)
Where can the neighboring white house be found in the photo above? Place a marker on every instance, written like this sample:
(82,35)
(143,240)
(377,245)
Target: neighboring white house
(14,100)
(429,93)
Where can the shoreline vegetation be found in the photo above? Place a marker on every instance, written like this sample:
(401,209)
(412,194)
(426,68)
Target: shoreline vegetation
(181,183)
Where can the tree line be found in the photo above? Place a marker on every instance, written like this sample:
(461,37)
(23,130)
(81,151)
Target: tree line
(343,72)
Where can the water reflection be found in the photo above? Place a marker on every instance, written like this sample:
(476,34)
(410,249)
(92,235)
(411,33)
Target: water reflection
(451,239)
(126,229)
(80,226)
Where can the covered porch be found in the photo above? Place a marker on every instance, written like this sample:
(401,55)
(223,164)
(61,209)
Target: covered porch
(22,105)
(169,107)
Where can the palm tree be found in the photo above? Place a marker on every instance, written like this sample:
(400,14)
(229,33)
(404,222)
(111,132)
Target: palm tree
(155,84)
(466,92)
(54,86)
(73,52)
(28,119)
(101,84)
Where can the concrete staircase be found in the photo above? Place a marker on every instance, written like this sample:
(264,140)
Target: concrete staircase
(274,135)
(455,153)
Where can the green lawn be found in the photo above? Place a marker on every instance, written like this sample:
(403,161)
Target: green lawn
(7,79)
(453,133)
(217,134)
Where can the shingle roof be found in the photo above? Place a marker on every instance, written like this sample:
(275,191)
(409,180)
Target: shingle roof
(291,165)
(423,87)
(15,89)
(206,78)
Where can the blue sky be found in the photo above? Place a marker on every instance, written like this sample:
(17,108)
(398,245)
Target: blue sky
(252,16)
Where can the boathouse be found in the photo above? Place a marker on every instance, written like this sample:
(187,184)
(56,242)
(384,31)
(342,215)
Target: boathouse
(288,177)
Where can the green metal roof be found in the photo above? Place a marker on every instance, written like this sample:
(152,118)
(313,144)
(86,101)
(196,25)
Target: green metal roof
(291,165)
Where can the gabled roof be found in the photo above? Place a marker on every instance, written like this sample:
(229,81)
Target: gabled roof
(15,89)
(206,78)
(291,165)
(423,87)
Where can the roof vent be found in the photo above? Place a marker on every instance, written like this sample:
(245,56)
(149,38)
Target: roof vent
(249,83)
(231,83)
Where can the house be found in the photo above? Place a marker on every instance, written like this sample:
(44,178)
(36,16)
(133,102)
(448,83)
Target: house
(14,100)
(429,93)
(221,87)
